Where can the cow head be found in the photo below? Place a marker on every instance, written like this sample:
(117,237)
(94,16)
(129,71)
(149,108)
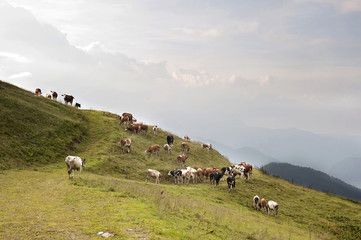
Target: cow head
(83,163)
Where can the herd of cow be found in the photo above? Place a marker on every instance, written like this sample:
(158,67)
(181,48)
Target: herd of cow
(181,175)
(54,95)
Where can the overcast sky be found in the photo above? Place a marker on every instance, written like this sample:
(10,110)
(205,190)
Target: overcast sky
(192,66)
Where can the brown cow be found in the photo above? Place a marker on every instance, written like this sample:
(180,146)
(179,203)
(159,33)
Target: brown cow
(199,174)
(143,127)
(182,159)
(186,138)
(208,171)
(125,120)
(126,143)
(263,205)
(68,99)
(134,128)
(153,148)
(185,147)
(38,92)
(130,117)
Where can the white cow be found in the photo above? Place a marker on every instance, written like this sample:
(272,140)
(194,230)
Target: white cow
(256,202)
(155,129)
(74,163)
(167,148)
(153,173)
(272,205)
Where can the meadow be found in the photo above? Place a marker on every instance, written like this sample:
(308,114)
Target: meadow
(38,201)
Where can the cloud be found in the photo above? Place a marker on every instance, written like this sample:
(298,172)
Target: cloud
(199,33)
(15,57)
(193,78)
(21,75)
(345,6)
(248,27)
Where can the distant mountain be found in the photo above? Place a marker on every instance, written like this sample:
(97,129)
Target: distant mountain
(348,170)
(243,154)
(314,179)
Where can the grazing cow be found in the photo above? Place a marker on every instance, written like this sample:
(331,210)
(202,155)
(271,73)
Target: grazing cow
(256,203)
(207,146)
(248,170)
(129,117)
(77,105)
(167,148)
(272,206)
(68,99)
(263,205)
(38,92)
(126,143)
(143,127)
(134,128)
(54,94)
(186,138)
(214,177)
(238,170)
(170,139)
(48,95)
(231,181)
(125,120)
(182,159)
(177,174)
(155,129)
(153,173)
(185,147)
(199,174)
(191,173)
(208,171)
(74,163)
(153,148)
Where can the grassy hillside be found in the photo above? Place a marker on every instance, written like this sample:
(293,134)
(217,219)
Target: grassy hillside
(34,130)
(42,203)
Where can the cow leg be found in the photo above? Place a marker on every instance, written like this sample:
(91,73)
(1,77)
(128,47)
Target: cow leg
(69,172)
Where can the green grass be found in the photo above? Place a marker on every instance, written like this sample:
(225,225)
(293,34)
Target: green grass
(38,201)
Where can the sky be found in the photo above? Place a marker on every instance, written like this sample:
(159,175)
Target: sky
(193,66)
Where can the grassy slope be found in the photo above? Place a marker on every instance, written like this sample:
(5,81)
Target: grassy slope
(39,202)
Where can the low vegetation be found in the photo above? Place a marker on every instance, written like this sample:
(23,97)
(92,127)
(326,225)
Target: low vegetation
(38,201)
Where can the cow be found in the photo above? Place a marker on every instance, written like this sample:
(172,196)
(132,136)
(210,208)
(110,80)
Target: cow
(199,174)
(248,170)
(272,206)
(214,178)
(68,99)
(155,129)
(143,127)
(263,205)
(54,94)
(191,173)
(125,120)
(207,146)
(227,171)
(256,203)
(134,128)
(74,163)
(126,143)
(153,148)
(153,173)
(231,181)
(38,92)
(185,147)
(177,174)
(186,138)
(129,117)
(208,171)
(170,139)
(48,95)
(182,159)
(167,148)
(77,105)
